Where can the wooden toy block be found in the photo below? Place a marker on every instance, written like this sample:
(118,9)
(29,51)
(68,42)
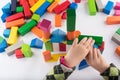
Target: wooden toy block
(64,15)
(108,7)
(13,36)
(77,1)
(77,33)
(47,55)
(15,17)
(41,10)
(56,57)
(3,45)
(117,13)
(6,8)
(13,6)
(117,6)
(37,5)
(10,50)
(101,48)
(45,25)
(70,35)
(58,36)
(6,33)
(19,54)
(62,47)
(83,65)
(58,20)
(63,6)
(38,32)
(36,43)
(18,23)
(113,20)
(46,35)
(49,46)
(55,47)
(92,7)
(116,38)
(26,7)
(36,17)
(118,31)
(52,6)
(4,16)
(19,9)
(27,27)
(118,50)
(1,39)
(71,19)
(73,5)
(31,2)
(100,6)
(26,50)
(68,47)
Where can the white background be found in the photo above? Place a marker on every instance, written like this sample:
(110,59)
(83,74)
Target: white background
(35,68)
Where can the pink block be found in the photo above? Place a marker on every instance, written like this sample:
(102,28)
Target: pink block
(117,13)
(38,25)
(117,6)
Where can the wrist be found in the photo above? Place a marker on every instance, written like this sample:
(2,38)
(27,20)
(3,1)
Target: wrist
(104,68)
(68,62)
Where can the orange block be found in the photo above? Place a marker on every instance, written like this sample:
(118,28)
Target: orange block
(46,35)
(58,20)
(47,55)
(18,22)
(31,2)
(38,32)
(77,33)
(35,1)
(118,50)
(113,20)
(70,35)
(52,6)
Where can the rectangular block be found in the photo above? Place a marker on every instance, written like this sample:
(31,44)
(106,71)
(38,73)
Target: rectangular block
(46,35)
(118,50)
(64,15)
(113,20)
(117,6)
(73,5)
(4,16)
(36,17)
(13,6)
(100,6)
(19,9)
(47,55)
(70,35)
(62,47)
(3,45)
(31,2)
(117,13)
(6,33)
(116,38)
(19,54)
(49,46)
(77,33)
(52,6)
(118,31)
(69,42)
(6,8)
(55,47)
(58,20)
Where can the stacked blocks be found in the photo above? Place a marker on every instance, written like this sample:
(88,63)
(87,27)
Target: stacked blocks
(19,53)
(13,6)
(62,47)
(47,55)
(73,5)
(3,44)
(55,47)
(49,46)
(6,33)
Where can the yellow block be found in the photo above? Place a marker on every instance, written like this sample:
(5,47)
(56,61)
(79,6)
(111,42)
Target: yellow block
(55,57)
(45,40)
(13,36)
(37,5)
(57,0)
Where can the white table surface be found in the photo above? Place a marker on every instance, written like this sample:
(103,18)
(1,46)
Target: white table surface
(35,68)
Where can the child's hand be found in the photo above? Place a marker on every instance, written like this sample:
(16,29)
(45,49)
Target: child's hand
(96,60)
(78,51)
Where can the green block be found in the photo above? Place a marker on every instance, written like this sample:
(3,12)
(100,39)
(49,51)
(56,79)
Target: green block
(1,39)
(36,17)
(48,46)
(98,39)
(50,1)
(92,7)
(69,42)
(118,31)
(27,27)
(71,19)
(19,9)
(26,50)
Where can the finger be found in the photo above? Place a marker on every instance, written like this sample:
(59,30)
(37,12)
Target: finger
(91,53)
(83,41)
(95,54)
(75,42)
(92,43)
(99,53)
(88,42)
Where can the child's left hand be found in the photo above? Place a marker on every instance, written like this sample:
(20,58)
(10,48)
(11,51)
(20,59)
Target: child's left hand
(78,51)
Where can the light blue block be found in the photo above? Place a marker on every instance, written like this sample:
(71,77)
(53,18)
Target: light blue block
(4,16)
(6,8)
(3,45)
(6,33)
(95,46)
(108,7)
(83,65)
(73,5)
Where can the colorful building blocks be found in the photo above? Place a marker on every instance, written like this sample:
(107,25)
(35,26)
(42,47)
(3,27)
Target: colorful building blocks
(101,48)
(113,20)
(52,6)
(55,47)
(64,15)
(58,20)
(46,35)
(4,16)
(36,43)
(108,7)
(83,65)
(118,50)
(117,6)
(49,46)
(47,55)
(73,5)
(3,45)
(100,6)
(77,1)
(117,13)
(92,7)
(31,2)
(19,54)
(118,31)
(62,47)
(70,35)
(71,19)
(19,9)
(6,8)
(6,33)
(116,38)
(36,17)
(13,6)
(13,36)
(26,50)
(77,33)
(10,50)
(27,27)
(38,32)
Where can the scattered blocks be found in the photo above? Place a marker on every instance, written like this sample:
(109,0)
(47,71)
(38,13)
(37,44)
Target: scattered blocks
(36,43)
(83,65)
(19,9)
(19,53)
(108,7)
(62,47)
(49,46)
(47,55)
(4,16)
(36,17)
(113,20)
(77,1)
(58,20)
(73,5)
(117,6)
(3,45)
(117,13)
(118,50)
(13,6)
(55,47)
(6,33)
(52,6)
(64,15)
(116,38)
(6,8)
(100,6)
(70,35)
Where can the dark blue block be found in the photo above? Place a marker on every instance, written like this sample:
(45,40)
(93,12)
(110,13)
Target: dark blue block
(73,5)
(4,16)
(41,10)
(6,8)
(3,45)
(83,65)
(13,6)
(6,33)
(108,7)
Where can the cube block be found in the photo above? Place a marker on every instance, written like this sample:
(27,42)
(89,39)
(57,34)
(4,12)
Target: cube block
(47,55)
(19,53)
(6,33)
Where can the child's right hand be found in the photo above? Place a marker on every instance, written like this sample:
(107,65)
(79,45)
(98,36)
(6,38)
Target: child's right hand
(96,60)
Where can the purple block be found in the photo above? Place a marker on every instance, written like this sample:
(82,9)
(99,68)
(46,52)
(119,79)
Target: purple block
(117,6)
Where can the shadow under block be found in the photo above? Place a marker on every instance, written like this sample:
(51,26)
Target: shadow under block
(83,65)
(47,55)
(113,20)
(100,6)
(13,36)
(13,6)
(92,7)
(27,27)
(10,50)
(26,50)
(19,53)
(49,46)
(71,19)
(116,38)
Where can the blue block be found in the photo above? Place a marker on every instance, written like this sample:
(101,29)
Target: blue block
(3,45)
(6,8)
(95,46)
(36,43)
(4,16)
(6,33)
(58,36)
(73,5)
(41,10)
(108,7)
(83,65)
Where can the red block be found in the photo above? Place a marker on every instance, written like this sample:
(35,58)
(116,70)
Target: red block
(64,16)
(62,47)
(20,2)
(19,53)
(102,46)
(77,1)
(26,7)
(60,8)
(15,17)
